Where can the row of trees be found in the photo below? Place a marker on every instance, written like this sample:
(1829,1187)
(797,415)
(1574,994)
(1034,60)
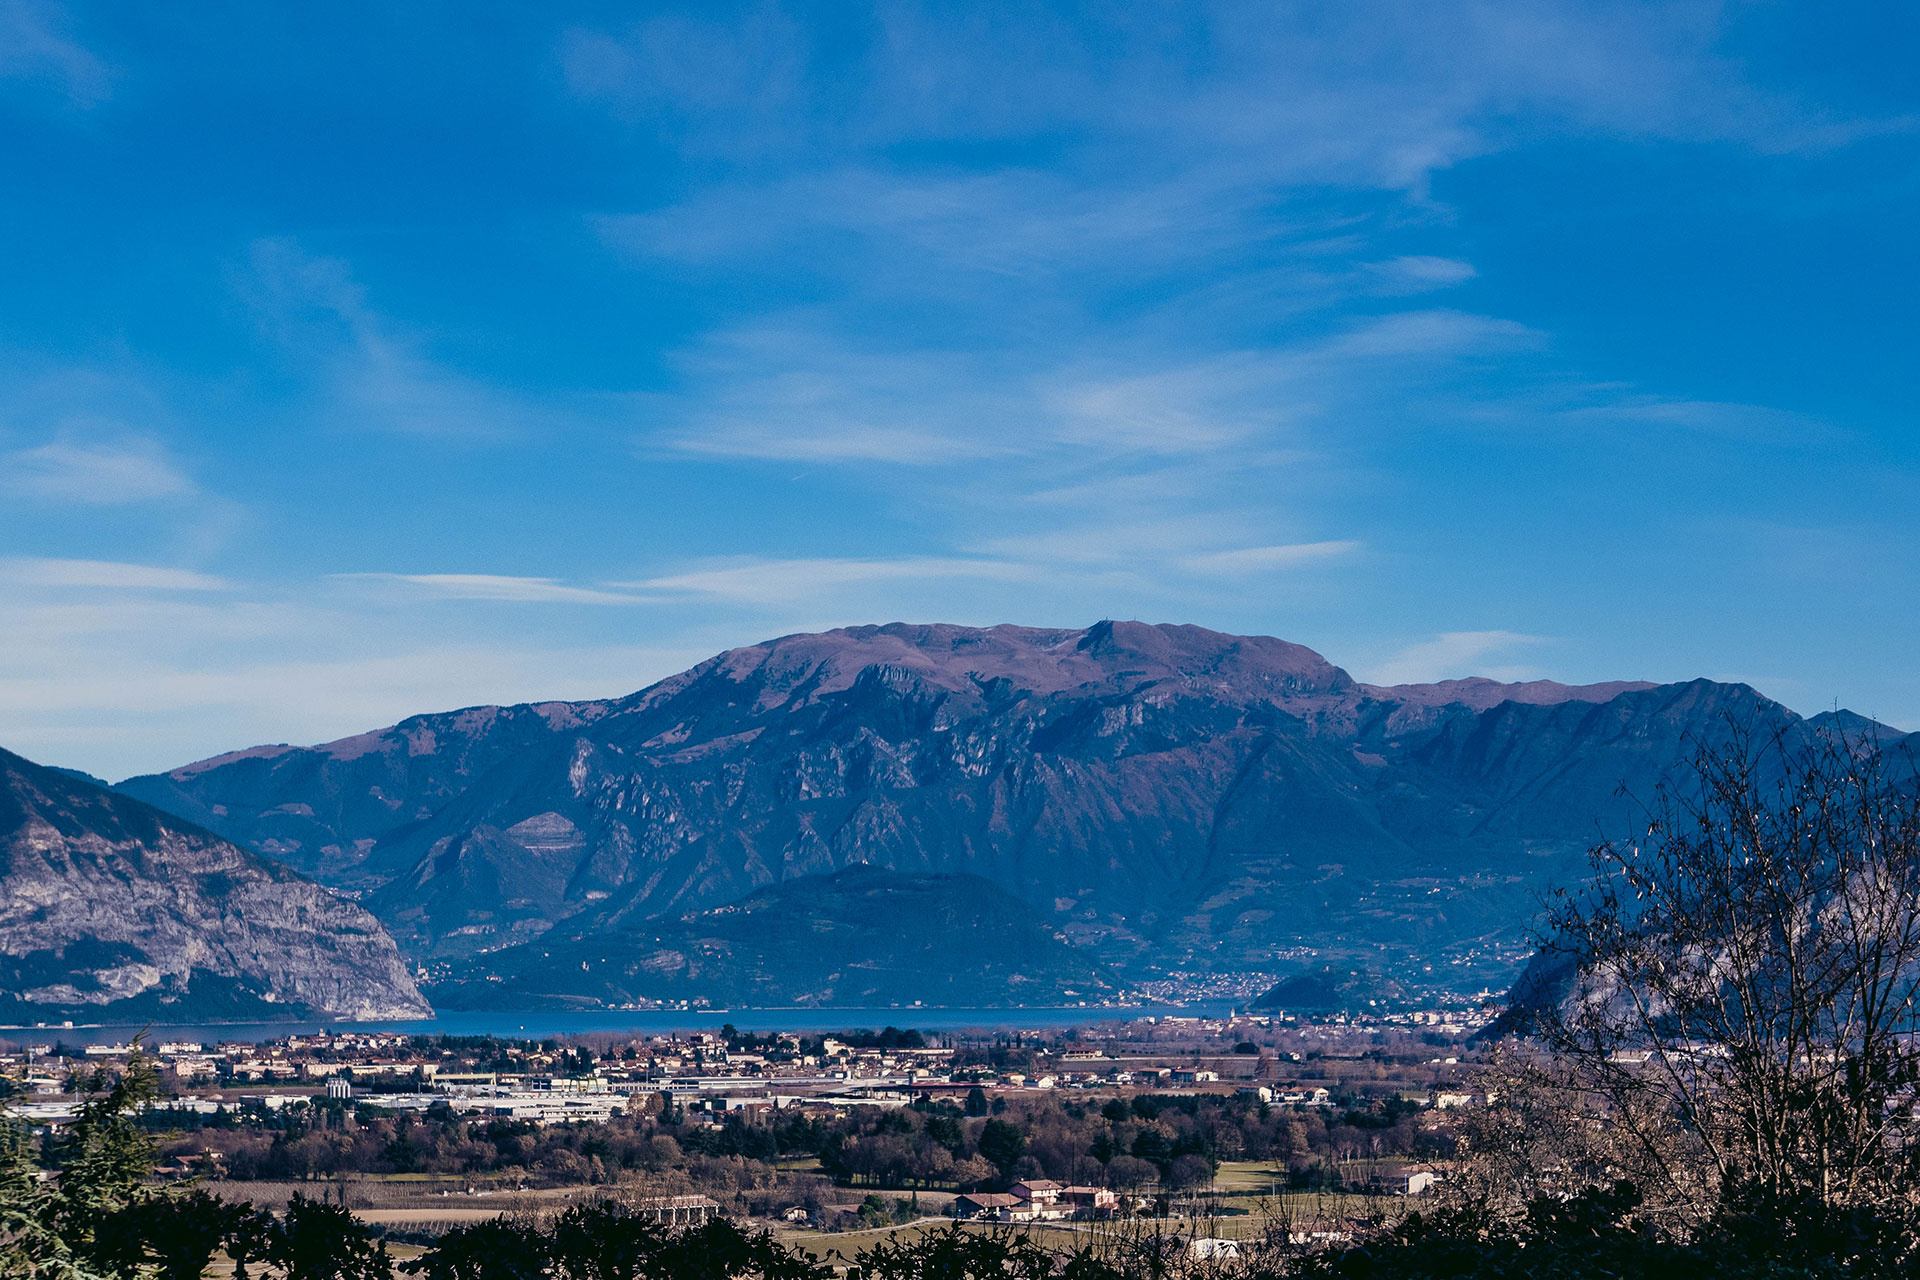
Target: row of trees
(1126,1144)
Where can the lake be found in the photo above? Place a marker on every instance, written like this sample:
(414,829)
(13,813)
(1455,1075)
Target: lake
(540,1024)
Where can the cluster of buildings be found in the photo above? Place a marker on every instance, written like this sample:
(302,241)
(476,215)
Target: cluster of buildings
(698,1072)
(1310,1096)
(1036,1200)
(516,1081)
(1041,1200)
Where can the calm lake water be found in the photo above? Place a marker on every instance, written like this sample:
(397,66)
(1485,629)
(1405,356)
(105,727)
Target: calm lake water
(542,1023)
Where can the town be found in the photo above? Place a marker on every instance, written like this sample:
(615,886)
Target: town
(1241,1120)
(600,1075)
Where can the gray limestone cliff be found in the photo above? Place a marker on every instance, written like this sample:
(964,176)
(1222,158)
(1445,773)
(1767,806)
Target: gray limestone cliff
(113,911)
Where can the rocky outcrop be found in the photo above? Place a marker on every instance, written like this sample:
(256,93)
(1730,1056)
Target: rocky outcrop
(112,910)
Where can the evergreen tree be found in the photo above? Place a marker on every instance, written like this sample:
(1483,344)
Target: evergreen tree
(104,1157)
(321,1241)
(174,1234)
(31,1247)
(1003,1145)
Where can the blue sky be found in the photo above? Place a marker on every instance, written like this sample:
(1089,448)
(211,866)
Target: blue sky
(359,363)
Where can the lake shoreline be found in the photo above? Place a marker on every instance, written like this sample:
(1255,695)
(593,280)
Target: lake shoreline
(544,1024)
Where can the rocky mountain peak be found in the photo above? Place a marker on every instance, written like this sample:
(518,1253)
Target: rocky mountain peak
(1108,657)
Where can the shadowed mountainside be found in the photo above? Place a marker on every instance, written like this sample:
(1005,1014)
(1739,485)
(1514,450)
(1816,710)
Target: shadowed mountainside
(857,938)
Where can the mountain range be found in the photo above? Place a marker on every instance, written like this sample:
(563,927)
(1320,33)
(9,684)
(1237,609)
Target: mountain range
(1165,798)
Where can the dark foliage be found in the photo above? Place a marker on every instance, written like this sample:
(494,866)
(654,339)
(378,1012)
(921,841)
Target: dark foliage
(1600,1235)
(956,1254)
(176,1235)
(606,1241)
(1002,1145)
(320,1241)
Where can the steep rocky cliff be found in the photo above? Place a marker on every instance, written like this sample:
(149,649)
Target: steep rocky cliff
(1171,796)
(112,910)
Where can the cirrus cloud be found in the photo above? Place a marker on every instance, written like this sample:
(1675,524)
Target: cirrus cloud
(29,571)
(1454,654)
(493,586)
(100,474)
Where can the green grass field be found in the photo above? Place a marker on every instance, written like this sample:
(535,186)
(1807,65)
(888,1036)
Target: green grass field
(1236,1176)
(1244,1216)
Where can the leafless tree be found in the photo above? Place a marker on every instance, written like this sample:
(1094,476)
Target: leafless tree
(1740,1013)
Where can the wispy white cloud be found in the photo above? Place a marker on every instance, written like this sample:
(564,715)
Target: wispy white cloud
(1040,563)
(788,394)
(371,374)
(493,586)
(824,397)
(1013,224)
(96,472)
(36,44)
(697,74)
(30,571)
(1438,333)
(1372,92)
(1625,406)
(1228,99)
(778,581)
(1418,273)
(1455,655)
(825,441)
(1189,407)
(1167,538)
(1253,560)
